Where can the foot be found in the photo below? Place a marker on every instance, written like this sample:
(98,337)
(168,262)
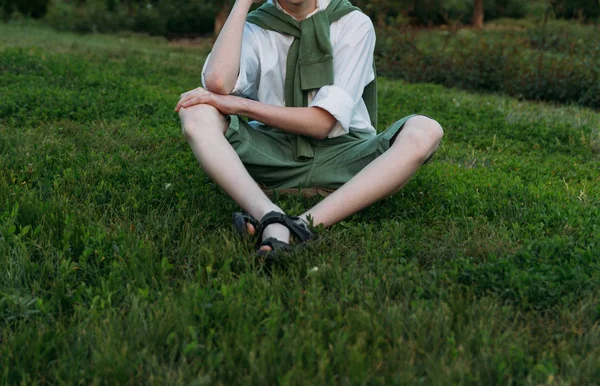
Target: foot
(276,231)
(246,225)
(270,231)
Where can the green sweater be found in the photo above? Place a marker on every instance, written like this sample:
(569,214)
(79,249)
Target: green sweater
(310,58)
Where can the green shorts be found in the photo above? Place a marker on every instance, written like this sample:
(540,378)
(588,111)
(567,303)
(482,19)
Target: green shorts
(268,155)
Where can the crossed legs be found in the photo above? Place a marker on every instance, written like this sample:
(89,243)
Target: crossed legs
(386,175)
(204,127)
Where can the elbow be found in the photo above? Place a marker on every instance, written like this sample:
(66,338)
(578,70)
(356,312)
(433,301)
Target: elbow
(324,131)
(216,84)
(320,135)
(328,122)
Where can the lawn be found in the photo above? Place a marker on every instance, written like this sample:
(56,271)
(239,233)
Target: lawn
(119,265)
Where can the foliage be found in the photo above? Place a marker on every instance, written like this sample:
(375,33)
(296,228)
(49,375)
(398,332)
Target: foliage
(94,17)
(552,62)
(565,37)
(162,18)
(119,265)
(177,18)
(32,8)
(580,9)
(436,12)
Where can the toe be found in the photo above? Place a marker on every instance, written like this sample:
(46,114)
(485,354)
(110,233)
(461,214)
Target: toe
(251,229)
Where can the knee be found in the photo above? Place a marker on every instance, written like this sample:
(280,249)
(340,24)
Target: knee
(425,130)
(200,119)
(424,135)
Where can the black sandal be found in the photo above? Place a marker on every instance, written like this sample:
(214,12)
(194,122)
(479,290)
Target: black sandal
(298,229)
(240,222)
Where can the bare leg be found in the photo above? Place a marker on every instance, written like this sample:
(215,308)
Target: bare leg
(203,127)
(384,176)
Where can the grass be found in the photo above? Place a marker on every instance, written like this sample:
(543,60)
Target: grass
(119,264)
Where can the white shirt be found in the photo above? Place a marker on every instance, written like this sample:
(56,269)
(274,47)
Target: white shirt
(263,69)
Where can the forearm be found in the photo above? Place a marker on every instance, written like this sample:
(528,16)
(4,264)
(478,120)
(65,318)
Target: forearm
(308,121)
(223,64)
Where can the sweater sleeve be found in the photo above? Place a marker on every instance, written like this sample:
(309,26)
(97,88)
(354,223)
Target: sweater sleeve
(353,71)
(249,76)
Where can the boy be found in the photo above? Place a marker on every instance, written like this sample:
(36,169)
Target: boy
(303,71)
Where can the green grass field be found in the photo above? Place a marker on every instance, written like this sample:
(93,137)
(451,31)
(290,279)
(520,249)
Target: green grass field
(118,263)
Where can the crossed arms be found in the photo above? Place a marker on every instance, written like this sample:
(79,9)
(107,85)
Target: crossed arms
(221,73)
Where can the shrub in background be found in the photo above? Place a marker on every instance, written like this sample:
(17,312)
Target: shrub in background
(5,12)
(31,8)
(171,18)
(187,18)
(506,62)
(149,19)
(435,12)
(565,37)
(579,9)
(89,17)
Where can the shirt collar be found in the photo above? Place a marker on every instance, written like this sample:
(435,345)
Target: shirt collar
(321,5)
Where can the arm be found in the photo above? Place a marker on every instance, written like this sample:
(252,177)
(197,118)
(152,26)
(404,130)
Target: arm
(308,121)
(223,65)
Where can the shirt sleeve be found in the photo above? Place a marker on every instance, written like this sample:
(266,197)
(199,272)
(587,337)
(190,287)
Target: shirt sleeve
(353,71)
(249,76)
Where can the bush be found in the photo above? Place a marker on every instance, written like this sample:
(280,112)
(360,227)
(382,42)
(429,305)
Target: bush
(31,8)
(92,17)
(435,12)
(579,9)
(150,20)
(491,62)
(184,18)
(5,13)
(164,18)
(565,37)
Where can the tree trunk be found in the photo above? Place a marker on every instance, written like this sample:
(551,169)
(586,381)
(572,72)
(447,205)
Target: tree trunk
(221,18)
(478,14)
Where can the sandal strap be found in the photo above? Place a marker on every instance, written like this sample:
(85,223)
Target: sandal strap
(240,222)
(298,228)
(276,245)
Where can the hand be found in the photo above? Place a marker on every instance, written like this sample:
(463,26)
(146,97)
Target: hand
(226,104)
(194,97)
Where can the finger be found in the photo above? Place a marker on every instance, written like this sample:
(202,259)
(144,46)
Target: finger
(196,100)
(178,106)
(182,98)
(182,101)
(191,102)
